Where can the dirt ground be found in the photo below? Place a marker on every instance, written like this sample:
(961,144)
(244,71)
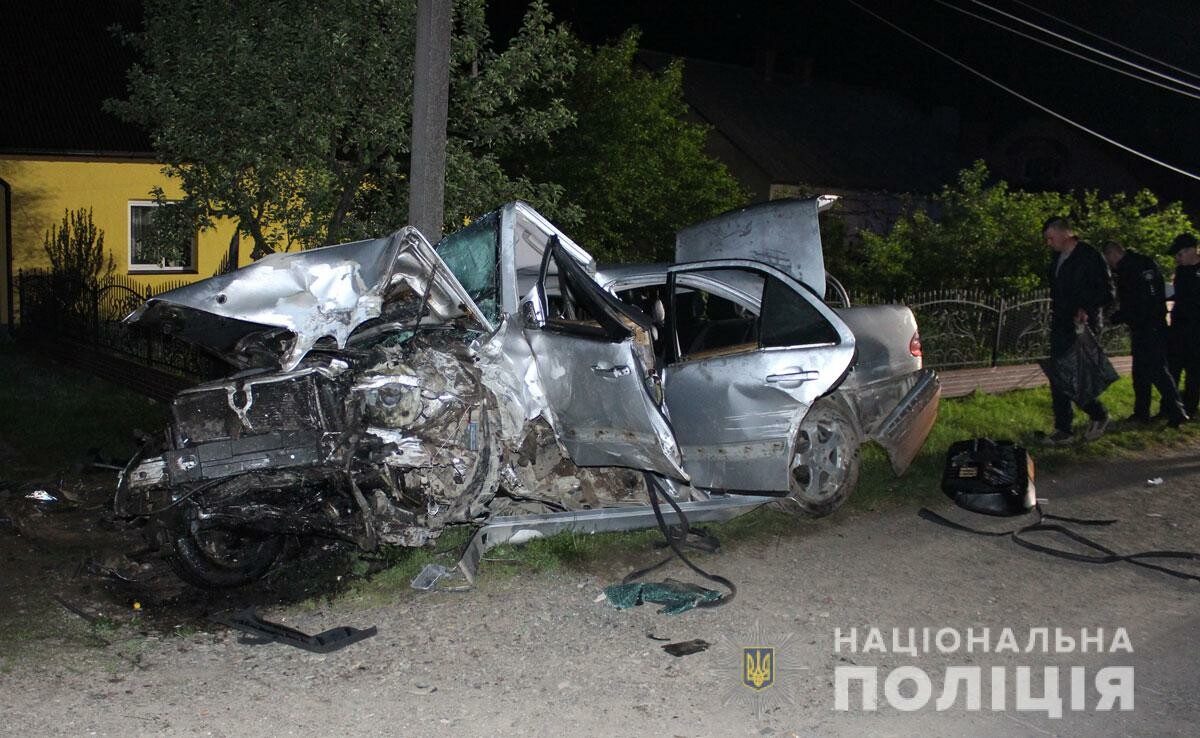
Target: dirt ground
(536,654)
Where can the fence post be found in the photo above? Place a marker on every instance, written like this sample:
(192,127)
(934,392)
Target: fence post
(999,330)
(150,338)
(95,318)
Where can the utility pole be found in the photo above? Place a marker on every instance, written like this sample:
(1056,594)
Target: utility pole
(431,93)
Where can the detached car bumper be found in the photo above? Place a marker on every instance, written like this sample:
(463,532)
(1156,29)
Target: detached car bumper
(904,430)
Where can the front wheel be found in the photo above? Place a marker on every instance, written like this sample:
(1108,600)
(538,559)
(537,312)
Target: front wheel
(219,558)
(824,467)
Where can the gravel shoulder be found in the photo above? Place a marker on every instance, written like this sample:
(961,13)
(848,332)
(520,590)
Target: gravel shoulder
(534,654)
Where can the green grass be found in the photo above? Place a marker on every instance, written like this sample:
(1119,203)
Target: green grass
(1017,416)
(51,415)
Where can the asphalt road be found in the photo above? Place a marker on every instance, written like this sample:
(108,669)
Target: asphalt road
(537,655)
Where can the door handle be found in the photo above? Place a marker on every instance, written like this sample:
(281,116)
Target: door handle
(610,371)
(797,376)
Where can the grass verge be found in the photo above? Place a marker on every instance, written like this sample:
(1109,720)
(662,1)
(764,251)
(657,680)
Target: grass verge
(51,415)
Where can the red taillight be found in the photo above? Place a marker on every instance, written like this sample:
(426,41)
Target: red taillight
(914,345)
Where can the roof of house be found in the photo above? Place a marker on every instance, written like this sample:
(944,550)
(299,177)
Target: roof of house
(819,133)
(59,61)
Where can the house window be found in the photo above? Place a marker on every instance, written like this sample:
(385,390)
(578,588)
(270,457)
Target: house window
(142,257)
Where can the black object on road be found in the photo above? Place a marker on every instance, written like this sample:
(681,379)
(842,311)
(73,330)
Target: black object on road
(989,477)
(996,478)
(331,640)
(686,648)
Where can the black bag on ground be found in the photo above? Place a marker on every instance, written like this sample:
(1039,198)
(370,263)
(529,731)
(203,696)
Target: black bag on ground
(989,477)
(1083,372)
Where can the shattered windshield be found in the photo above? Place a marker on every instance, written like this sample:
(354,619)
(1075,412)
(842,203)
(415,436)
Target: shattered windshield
(472,255)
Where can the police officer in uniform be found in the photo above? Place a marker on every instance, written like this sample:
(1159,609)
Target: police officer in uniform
(1142,299)
(1185,322)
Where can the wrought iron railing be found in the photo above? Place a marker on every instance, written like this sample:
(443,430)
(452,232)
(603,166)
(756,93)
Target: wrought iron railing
(48,307)
(966,328)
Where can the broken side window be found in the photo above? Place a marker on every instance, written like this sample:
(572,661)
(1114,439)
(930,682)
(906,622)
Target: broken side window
(582,307)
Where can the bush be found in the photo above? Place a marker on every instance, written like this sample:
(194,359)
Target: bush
(980,234)
(78,262)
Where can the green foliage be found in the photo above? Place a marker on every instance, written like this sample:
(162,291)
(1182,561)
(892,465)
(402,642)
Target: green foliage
(78,261)
(633,164)
(1139,223)
(293,116)
(981,234)
(75,248)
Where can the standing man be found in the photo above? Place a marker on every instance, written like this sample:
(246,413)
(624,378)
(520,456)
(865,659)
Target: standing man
(1079,288)
(1141,293)
(1185,321)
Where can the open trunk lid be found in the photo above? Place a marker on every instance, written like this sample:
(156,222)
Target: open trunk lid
(782,233)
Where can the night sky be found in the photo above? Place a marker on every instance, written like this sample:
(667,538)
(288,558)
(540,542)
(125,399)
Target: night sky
(845,45)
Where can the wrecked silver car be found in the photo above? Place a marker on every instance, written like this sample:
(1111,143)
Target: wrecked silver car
(386,390)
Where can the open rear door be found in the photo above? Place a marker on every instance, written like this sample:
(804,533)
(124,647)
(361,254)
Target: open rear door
(750,351)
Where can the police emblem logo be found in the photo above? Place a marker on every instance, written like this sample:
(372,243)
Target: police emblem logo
(758,667)
(763,677)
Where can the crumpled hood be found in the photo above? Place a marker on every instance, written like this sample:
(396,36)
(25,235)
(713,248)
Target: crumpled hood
(272,312)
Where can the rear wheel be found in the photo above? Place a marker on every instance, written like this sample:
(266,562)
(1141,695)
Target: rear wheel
(217,558)
(824,467)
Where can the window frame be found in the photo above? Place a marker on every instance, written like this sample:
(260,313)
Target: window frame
(137,268)
(715,288)
(674,351)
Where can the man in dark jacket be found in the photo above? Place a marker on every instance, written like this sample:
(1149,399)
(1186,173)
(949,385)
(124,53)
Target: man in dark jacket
(1079,289)
(1141,294)
(1185,321)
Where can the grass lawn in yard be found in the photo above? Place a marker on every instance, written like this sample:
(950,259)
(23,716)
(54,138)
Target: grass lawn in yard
(51,415)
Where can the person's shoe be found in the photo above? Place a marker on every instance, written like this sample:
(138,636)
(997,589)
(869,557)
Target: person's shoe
(1178,421)
(1059,438)
(1096,429)
(1140,419)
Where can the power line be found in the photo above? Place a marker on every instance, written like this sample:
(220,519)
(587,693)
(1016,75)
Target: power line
(1075,54)
(1093,49)
(1018,95)
(1109,41)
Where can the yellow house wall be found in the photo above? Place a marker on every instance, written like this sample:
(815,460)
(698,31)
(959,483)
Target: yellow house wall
(42,188)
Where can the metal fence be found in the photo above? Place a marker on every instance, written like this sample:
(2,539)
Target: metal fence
(49,307)
(965,328)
